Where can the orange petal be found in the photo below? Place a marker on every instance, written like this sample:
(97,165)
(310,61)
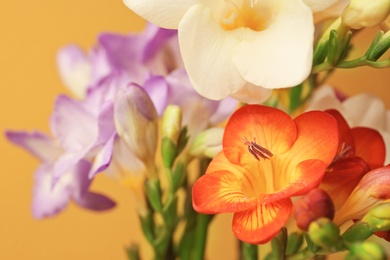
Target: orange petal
(219,192)
(306,176)
(260,224)
(373,188)
(343,177)
(268,127)
(346,140)
(369,145)
(317,138)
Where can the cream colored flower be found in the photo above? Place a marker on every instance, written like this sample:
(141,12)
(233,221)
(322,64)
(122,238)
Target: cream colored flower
(365,13)
(242,48)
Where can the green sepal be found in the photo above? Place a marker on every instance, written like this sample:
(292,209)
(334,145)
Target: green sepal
(333,47)
(366,250)
(320,53)
(326,234)
(249,251)
(132,252)
(147,225)
(179,175)
(278,244)
(170,212)
(311,246)
(343,51)
(374,43)
(153,193)
(294,243)
(182,140)
(168,152)
(379,49)
(357,232)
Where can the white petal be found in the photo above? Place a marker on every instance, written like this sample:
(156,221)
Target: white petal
(252,94)
(281,55)
(319,5)
(164,13)
(325,98)
(366,110)
(207,54)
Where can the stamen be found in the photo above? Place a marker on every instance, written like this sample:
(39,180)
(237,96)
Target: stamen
(345,149)
(256,150)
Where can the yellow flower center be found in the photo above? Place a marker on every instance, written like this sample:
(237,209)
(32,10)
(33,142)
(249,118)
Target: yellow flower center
(253,14)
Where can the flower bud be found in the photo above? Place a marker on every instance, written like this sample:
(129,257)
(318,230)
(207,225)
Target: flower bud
(325,233)
(136,122)
(365,13)
(171,128)
(365,250)
(208,143)
(378,217)
(314,205)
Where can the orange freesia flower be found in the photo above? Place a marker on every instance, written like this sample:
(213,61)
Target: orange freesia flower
(359,151)
(266,159)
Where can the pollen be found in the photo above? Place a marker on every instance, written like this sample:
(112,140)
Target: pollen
(257,151)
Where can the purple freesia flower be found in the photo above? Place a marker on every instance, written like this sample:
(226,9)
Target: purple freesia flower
(50,198)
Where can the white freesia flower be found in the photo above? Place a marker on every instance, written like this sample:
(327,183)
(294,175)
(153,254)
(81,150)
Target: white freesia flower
(360,110)
(239,47)
(366,13)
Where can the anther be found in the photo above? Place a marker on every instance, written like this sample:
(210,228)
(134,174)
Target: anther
(256,150)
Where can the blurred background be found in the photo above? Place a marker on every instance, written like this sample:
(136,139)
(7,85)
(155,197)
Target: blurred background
(32,32)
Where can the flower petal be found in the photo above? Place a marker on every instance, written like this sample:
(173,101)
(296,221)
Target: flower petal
(268,127)
(95,201)
(103,158)
(340,181)
(317,138)
(369,145)
(158,90)
(164,13)
(252,94)
(40,145)
(346,140)
(319,5)
(284,48)
(373,188)
(206,47)
(260,224)
(75,69)
(219,192)
(74,127)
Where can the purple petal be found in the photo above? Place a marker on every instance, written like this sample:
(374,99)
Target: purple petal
(224,110)
(65,163)
(74,68)
(49,200)
(100,65)
(74,127)
(157,38)
(103,158)
(95,201)
(40,145)
(157,89)
(105,123)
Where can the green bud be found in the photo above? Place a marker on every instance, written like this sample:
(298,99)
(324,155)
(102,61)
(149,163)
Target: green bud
(333,47)
(325,233)
(179,175)
(294,243)
(170,211)
(365,250)
(171,123)
(278,244)
(378,218)
(208,143)
(147,225)
(376,51)
(153,192)
(168,152)
(358,232)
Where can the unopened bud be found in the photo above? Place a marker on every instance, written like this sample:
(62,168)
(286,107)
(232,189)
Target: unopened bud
(365,13)
(325,233)
(171,123)
(208,143)
(136,122)
(365,250)
(378,217)
(314,205)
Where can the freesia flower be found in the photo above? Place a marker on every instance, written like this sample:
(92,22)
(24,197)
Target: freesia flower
(49,198)
(153,51)
(363,110)
(239,48)
(364,13)
(267,158)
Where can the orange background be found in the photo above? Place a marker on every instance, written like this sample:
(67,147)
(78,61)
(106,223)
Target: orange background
(31,33)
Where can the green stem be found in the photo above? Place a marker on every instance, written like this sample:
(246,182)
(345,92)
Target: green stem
(362,61)
(202,222)
(249,251)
